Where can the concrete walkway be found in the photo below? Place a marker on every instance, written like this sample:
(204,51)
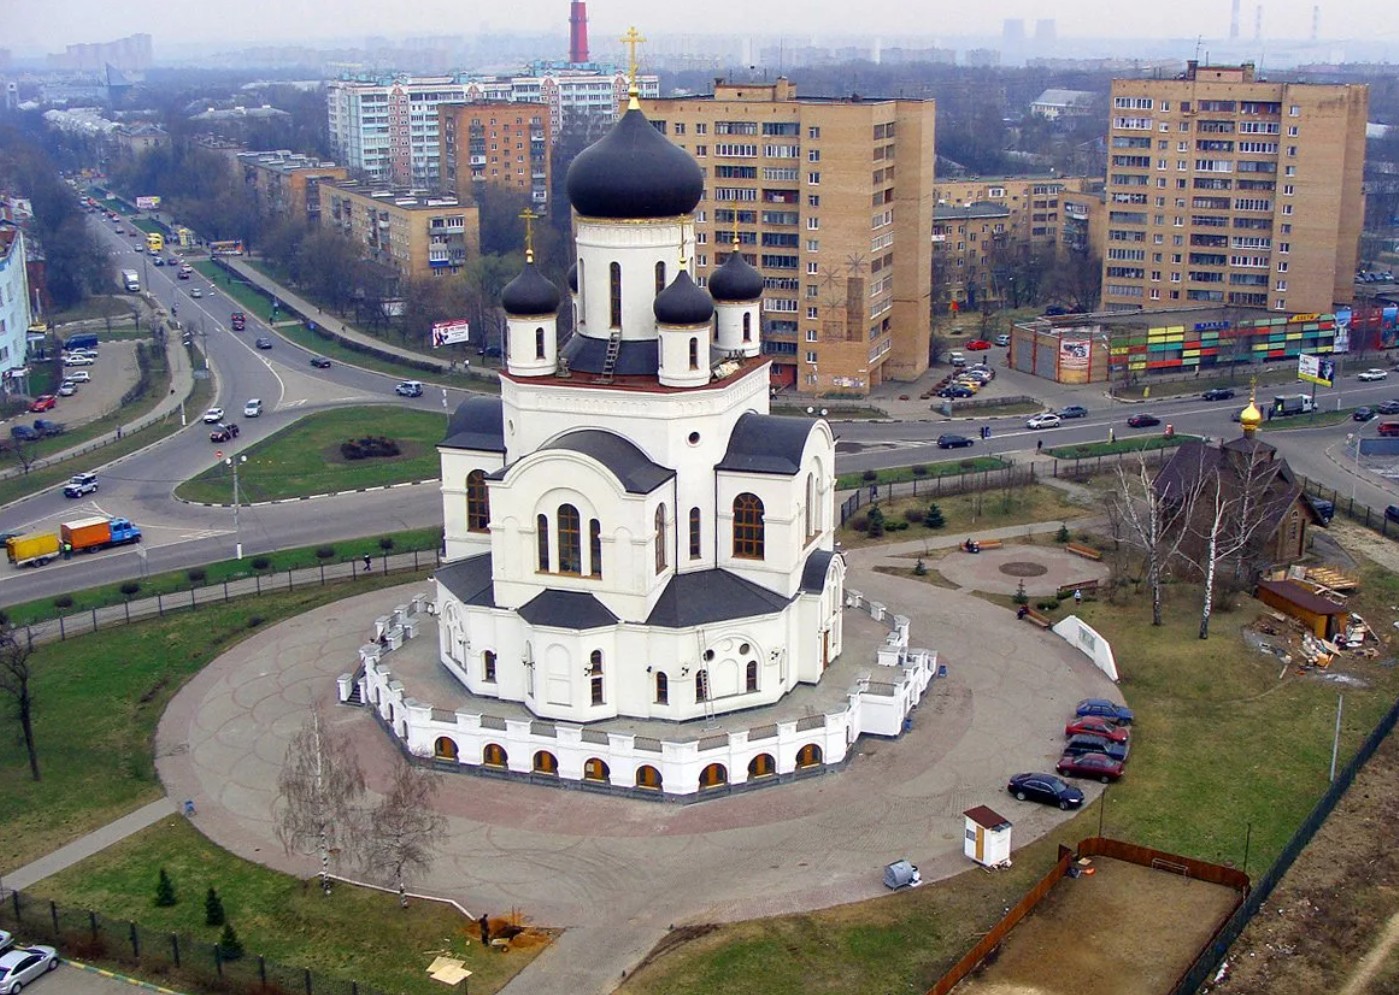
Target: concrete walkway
(85,846)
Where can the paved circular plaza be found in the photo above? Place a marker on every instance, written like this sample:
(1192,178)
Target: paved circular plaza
(1044,569)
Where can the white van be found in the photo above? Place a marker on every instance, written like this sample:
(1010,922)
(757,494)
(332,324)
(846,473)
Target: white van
(253,408)
(956,358)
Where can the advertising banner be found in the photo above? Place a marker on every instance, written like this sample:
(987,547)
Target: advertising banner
(147,203)
(450,333)
(1316,369)
(1073,355)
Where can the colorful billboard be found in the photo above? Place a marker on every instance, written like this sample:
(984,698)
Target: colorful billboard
(1316,369)
(450,333)
(147,203)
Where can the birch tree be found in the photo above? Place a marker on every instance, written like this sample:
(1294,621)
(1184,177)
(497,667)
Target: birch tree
(318,791)
(404,829)
(1230,516)
(16,672)
(1155,519)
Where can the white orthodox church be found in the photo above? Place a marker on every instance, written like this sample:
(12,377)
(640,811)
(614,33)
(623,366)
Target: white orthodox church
(629,533)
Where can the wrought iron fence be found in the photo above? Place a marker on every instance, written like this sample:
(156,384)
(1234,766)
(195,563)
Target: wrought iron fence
(1352,509)
(1002,478)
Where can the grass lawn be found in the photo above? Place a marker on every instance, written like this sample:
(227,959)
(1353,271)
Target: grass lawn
(356,934)
(1228,757)
(305,457)
(1087,450)
(832,411)
(992,410)
(1317,419)
(1283,373)
(97,701)
(103,306)
(899,474)
(967,513)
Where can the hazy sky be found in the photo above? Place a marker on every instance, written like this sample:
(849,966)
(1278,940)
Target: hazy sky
(30,27)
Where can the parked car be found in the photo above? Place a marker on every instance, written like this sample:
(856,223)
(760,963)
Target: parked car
(213,415)
(22,965)
(1391,512)
(1218,394)
(1003,339)
(1362,414)
(951,390)
(320,362)
(980,374)
(953,442)
(1045,788)
(79,376)
(46,428)
(1326,510)
(1374,373)
(1073,411)
(263,342)
(1388,407)
(253,408)
(1046,420)
(224,433)
(982,369)
(978,345)
(7,940)
(956,358)
(67,388)
(1088,743)
(75,359)
(1098,766)
(409,388)
(1143,421)
(1120,714)
(1096,725)
(44,402)
(24,433)
(80,484)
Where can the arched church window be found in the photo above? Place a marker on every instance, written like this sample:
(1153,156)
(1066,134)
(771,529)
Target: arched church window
(694,353)
(749,527)
(541,528)
(616,295)
(694,533)
(570,540)
(582,289)
(662,689)
(595,676)
(488,659)
(539,343)
(660,539)
(701,686)
(660,277)
(478,502)
(810,505)
(752,675)
(595,548)
(747,326)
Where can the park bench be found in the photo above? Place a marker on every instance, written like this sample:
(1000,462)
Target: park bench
(1086,587)
(1087,552)
(1041,620)
(985,544)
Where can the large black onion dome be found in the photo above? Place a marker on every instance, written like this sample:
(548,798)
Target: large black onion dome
(634,172)
(573,278)
(683,303)
(736,280)
(530,294)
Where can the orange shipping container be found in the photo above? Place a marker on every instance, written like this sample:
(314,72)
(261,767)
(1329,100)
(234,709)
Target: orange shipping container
(86,532)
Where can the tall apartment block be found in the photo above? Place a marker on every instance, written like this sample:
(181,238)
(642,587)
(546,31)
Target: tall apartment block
(503,144)
(1227,189)
(386,127)
(832,200)
(415,234)
(589,93)
(285,184)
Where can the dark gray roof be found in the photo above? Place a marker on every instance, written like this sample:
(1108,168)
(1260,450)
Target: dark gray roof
(469,580)
(711,596)
(638,358)
(566,610)
(530,294)
(634,172)
(628,464)
(767,444)
(683,303)
(814,573)
(967,212)
(477,424)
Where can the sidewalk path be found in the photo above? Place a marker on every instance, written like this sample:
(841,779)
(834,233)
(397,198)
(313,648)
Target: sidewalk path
(85,846)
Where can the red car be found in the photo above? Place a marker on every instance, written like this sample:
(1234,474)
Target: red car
(1097,726)
(1143,421)
(44,402)
(1098,766)
(976,345)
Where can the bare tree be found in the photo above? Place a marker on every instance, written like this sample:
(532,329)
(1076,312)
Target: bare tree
(318,792)
(16,672)
(404,829)
(1155,518)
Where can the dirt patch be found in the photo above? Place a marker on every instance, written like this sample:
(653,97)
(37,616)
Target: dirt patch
(1125,928)
(1021,569)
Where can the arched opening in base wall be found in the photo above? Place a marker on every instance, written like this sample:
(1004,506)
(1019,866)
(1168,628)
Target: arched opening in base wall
(809,756)
(762,766)
(648,777)
(713,776)
(494,756)
(444,749)
(597,770)
(545,763)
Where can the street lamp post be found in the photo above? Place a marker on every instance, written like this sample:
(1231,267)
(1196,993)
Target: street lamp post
(232,462)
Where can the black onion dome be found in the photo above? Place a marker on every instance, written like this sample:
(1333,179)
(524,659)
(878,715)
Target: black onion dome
(683,303)
(573,278)
(736,280)
(634,172)
(530,294)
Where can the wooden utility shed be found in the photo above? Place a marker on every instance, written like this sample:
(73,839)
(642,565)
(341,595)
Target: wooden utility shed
(1324,618)
(987,839)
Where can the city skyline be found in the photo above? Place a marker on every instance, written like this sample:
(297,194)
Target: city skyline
(35,28)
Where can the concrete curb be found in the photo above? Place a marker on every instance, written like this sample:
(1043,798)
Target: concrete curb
(314,497)
(136,982)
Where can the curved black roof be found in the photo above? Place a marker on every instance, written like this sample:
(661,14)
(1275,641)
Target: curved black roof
(767,444)
(638,357)
(707,596)
(814,571)
(530,293)
(632,467)
(634,172)
(477,424)
(469,580)
(683,303)
(566,610)
(736,280)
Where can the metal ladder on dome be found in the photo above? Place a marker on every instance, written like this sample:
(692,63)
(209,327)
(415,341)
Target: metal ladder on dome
(702,687)
(614,349)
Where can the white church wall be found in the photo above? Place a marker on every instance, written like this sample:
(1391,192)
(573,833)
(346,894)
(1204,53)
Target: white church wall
(456,464)
(637,246)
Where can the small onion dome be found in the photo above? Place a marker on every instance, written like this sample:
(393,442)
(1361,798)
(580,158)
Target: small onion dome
(634,172)
(1250,417)
(736,280)
(573,278)
(530,293)
(683,303)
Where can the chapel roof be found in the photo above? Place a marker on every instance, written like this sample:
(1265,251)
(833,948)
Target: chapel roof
(566,610)
(469,580)
(706,596)
(767,444)
(634,172)
(477,424)
(632,468)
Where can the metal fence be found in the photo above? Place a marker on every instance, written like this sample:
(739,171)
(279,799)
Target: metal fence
(1082,467)
(1208,961)
(945,485)
(82,623)
(1351,508)
(173,958)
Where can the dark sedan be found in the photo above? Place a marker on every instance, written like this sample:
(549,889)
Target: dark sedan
(953,442)
(1098,766)
(224,433)
(1391,512)
(956,390)
(1120,714)
(1218,394)
(1095,725)
(263,343)
(1045,788)
(1143,421)
(1086,743)
(1073,411)
(1362,414)
(320,362)
(1388,407)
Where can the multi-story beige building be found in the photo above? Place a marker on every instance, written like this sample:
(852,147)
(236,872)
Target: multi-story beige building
(832,200)
(505,144)
(285,185)
(1225,188)
(417,234)
(1034,205)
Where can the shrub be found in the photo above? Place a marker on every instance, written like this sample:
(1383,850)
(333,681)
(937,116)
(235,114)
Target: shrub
(325,552)
(920,569)
(897,526)
(1047,605)
(254,621)
(876,522)
(164,890)
(386,543)
(369,447)
(933,517)
(920,470)
(230,947)
(870,476)
(213,909)
(130,588)
(914,515)
(63,601)
(1062,535)
(261,563)
(860,523)
(196,575)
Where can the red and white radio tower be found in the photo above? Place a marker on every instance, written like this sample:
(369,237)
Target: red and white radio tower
(578,32)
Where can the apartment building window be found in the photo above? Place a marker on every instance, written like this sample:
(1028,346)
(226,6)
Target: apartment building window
(813,268)
(811,356)
(1285,229)
(701,151)
(811,335)
(812,155)
(1287,190)
(1282,266)
(680,127)
(701,129)
(1284,246)
(1294,111)
(1292,131)
(1286,208)
(813,245)
(811,312)
(1292,151)
(814,179)
(1289,171)
(813,200)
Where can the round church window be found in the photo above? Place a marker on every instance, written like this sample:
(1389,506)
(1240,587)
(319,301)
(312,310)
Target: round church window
(708,655)
(694,438)
(744,649)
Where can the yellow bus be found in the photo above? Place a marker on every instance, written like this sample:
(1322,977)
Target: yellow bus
(155,242)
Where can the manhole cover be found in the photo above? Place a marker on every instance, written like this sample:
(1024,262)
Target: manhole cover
(1020,568)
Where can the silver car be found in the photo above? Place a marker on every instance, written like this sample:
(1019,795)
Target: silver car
(20,966)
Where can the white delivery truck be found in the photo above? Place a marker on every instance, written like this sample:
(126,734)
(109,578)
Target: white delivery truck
(131,280)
